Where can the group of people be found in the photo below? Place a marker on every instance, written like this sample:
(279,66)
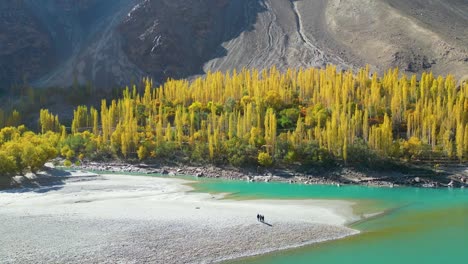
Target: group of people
(260,218)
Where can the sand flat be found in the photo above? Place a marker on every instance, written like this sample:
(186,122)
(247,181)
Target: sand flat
(137,219)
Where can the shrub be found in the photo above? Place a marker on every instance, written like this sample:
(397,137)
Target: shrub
(288,118)
(239,152)
(265,159)
(67,163)
(142,152)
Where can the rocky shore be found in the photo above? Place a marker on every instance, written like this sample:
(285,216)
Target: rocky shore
(450,176)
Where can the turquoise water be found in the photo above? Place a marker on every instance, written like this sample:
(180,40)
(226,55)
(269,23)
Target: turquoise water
(419,226)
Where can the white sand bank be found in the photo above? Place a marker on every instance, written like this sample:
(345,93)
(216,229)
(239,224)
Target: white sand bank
(132,219)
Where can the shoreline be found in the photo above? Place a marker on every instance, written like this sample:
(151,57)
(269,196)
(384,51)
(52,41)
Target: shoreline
(148,219)
(452,176)
(290,247)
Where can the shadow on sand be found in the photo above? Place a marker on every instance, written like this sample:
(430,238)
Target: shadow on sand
(48,180)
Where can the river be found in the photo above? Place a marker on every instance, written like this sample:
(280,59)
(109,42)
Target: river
(417,226)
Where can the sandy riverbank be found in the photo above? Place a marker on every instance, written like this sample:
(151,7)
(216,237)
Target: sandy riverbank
(136,219)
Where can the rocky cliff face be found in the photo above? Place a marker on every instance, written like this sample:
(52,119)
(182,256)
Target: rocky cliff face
(115,42)
(178,37)
(26,50)
(86,41)
(412,35)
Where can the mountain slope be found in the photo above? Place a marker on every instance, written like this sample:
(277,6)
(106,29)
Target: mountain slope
(26,49)
(406,34)
(114,42)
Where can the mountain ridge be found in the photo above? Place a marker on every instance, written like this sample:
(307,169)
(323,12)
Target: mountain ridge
(109,43)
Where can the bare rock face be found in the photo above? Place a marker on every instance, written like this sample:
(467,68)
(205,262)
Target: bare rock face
(86,42)
(26,50)
(173,38)
(414,35)
(115,42)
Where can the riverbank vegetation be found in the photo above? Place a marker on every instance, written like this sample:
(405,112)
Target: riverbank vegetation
(307,117)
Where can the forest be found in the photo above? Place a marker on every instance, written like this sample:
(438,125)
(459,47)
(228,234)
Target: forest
(300,117)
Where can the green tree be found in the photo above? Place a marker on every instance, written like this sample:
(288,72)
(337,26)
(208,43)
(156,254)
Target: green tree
(264,159)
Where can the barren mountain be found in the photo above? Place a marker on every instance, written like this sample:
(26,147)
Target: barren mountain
(25,46)
(114,42)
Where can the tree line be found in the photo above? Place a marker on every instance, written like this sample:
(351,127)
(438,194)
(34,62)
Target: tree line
(313,117)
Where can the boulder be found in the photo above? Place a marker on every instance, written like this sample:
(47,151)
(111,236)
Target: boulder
(450,184)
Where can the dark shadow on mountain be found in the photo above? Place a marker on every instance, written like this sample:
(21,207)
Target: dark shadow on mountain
(160,39)
(240,16)
(176,40)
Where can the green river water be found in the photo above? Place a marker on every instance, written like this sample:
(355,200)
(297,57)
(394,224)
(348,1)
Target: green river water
(419,226)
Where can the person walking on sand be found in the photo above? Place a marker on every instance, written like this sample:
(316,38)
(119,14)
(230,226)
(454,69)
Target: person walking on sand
(258,217)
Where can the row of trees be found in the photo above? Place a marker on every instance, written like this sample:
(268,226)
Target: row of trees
(279,113)
(306,116)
